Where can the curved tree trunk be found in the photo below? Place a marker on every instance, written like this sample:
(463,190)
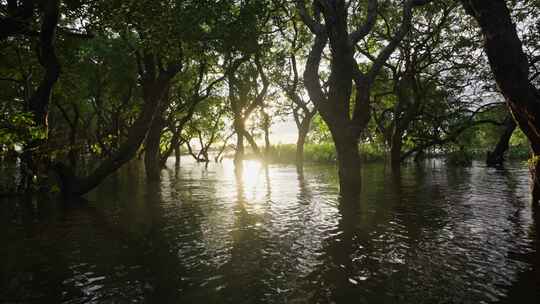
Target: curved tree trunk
(172,149)
(72,185)
(510,67)
(38,104)
(154,89)
(335,100)
(303,130)
(496,157)
(253,144)
(219,157)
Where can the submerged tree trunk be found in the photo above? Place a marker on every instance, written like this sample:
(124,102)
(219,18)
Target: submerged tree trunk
(266,143)
(241,106)
(152,159)
(155,85)
(266,127)
(239,129)
(300,142)
(348,159)
(253,144)
(152,154)
(177,156)
(345,118)
(496,157)
(510,67)
(395,149)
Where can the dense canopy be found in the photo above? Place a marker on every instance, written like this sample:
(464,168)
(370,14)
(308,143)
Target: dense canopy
(87,86)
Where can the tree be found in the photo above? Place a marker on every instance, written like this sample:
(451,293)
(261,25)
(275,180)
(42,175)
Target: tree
(511,71)
(246,96)
(496,157)
(290,81)
(206,127)
(347,118)
(411,79)
(159,59)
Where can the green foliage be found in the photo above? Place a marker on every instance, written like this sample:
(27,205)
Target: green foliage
(372,151)
(422,93)
(313,153)
(19,129)
(519,145)
(319,132)
(322,153)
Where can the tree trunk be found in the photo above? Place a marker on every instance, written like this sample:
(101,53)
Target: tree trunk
(266,127)
(496,157)
(38,103)
(204,153)
(348,158)
(395,149)
(177,155)
(510,66)
(266,143)
(300,142)
(152,160)
(164,156)
(534,169)
(154,91)
(73,154)
(152,154)
(239,129)
(253,144)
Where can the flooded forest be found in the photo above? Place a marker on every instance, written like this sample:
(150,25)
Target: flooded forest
(269,151)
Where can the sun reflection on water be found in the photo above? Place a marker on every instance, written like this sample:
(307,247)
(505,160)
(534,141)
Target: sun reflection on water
(252,181)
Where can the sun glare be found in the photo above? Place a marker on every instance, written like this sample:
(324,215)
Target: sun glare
(252,174)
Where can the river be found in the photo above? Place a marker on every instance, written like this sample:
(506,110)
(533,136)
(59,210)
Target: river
(430,234)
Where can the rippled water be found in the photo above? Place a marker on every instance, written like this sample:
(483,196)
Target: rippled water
(432,234)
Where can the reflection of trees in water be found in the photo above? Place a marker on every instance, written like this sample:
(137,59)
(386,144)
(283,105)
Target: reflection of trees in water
(315,219)
(186,251)
(269,261)
(245,272)
(393,244)
(351,258)
(305,195)
(71,250)
(202,236)
(385,248)
(30,259)
(525,222)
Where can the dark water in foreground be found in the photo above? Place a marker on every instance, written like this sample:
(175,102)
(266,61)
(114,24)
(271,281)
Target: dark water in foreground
(434,234)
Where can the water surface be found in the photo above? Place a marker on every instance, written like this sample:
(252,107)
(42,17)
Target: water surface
(430,234)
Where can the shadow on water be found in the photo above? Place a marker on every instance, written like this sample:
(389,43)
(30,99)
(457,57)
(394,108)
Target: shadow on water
(526,288)
(428,233)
